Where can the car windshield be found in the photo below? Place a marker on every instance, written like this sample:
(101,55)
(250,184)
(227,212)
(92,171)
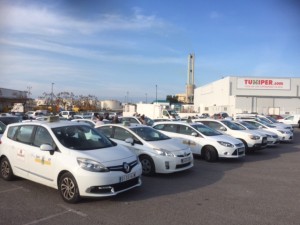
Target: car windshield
(248,125)
(149,134)
(205,130)
(272,119)
(149,121)
(267,124)
(10,119)
(81,137)
(2,127)
(231,125)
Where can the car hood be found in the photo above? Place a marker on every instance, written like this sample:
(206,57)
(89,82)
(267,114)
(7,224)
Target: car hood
(265,132)
(224,137)
(110,154)
(173,144)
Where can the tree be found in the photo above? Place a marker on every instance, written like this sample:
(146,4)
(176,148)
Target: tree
(172,99)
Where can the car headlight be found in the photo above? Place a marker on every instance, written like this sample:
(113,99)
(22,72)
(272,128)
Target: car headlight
(91,165)
(226,144)
(284,132)
(164,152)
(254,137)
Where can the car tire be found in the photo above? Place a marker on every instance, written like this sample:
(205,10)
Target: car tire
(147,165)
(68,188)
(6,170)
(210,154)
(247,150)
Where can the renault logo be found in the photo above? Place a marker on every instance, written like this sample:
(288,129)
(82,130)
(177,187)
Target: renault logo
(126,167)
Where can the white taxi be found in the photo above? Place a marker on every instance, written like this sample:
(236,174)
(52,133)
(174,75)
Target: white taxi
(69,156)
(157,152)
(204,141)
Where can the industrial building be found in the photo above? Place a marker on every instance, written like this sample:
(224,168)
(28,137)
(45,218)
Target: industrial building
(262,95)
(9,97)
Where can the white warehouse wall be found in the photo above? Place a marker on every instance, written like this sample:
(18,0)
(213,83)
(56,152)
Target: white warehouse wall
(232,95)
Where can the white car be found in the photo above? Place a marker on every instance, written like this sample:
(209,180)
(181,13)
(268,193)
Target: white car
(136,120)
(283,134)
(157,152)
(265,119)
(90,122)
(251,139)
(276,123)
(204,141)
(272,137)
(2,129)
(69,156)
(293,120)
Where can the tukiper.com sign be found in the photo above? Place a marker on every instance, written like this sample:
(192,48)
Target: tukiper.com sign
(264,83)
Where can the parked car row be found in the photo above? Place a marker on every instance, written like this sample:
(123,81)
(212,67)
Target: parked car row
(83,159)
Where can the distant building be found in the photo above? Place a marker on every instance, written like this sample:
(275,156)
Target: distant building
(262,95)
(9,97)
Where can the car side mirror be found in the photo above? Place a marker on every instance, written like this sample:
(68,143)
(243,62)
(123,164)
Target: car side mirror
(223,128)
(129,140)
(47,147)
(194,134)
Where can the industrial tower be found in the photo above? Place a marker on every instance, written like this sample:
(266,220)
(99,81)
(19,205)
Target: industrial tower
(190,86)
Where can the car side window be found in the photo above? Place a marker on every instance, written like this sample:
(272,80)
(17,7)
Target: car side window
(122,134)
(12,132)
(170,128)
(24,134)
(133,121)
(42,136)
(214,125)
(185,130)
(107,131)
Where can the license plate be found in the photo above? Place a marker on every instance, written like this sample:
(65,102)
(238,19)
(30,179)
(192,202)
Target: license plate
(127,177)
(241,150)
(186,160)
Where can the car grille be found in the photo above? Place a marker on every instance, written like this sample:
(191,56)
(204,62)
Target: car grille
(240,145)
(185,155)
(239,151)
(121,167)
(114,187)
(183,165)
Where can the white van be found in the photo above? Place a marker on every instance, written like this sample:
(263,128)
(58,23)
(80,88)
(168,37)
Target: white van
(67,114)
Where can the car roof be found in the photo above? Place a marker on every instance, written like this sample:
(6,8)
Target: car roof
(134,125)
(176,122)
(58,123)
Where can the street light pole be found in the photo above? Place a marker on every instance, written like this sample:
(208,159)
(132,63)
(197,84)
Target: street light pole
(156,93)
(52,96)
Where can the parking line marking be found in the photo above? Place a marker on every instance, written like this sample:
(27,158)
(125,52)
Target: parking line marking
(47,218)
(11,189)
(68,210)
(73,211)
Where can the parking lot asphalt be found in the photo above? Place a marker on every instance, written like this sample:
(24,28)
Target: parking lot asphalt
(261,189)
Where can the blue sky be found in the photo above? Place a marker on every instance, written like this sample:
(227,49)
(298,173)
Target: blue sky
(115,49)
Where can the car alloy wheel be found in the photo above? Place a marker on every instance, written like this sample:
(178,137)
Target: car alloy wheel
(6,170)
(68,188)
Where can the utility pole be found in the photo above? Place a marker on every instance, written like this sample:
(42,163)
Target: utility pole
(156,94)
(52,96)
